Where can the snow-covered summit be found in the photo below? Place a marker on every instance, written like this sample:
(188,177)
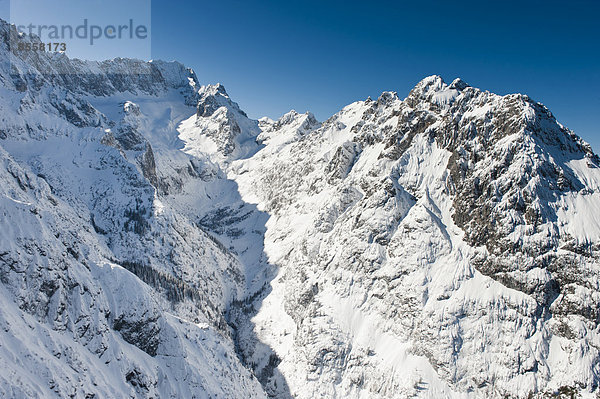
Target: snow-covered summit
(294,121)
(444,245)
(213,97)
(219,127)
(157,242)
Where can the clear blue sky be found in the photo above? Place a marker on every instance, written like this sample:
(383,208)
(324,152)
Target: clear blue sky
(273,56)
(75,13)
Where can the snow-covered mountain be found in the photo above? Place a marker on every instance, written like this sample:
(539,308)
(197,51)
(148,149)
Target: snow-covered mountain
(444,245)
(157,242)
(112,285)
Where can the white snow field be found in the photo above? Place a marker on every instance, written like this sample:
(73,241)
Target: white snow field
(156,242)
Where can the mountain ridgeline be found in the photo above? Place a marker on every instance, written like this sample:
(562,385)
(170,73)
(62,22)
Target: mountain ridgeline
(157,242)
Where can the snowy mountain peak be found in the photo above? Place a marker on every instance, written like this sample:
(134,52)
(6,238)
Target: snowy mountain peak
(434,90)
(458,84)
(417,230)
(220,127)
(214,89)
(213,97)
(157,242)
(288,116)
(387,97)
(220,88)
(430,83)
(289,127)
(304,121)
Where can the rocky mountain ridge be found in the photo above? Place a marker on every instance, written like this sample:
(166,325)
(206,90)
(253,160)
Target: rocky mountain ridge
(157,242)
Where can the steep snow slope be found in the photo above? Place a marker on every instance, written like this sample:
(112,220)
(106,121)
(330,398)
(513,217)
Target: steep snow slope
(111,286)
(444,245)
(156,242)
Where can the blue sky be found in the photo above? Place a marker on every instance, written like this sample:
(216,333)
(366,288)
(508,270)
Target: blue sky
(93,16)
(322,55)
(274,56)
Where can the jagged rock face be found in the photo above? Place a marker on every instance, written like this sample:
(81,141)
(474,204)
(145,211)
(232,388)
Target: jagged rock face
(429,247)
(221,120)
(508,171)
(89,77)
(156,242)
